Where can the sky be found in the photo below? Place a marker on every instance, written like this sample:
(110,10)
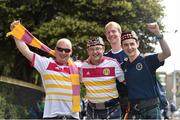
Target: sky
(172,35)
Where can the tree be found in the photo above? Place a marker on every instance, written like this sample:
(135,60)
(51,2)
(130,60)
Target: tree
(77,20)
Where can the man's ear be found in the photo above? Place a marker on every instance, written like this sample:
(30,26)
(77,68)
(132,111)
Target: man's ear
(87,51)
(71,52)
(137,43)
(103,48)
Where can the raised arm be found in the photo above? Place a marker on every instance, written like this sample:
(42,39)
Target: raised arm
(23,48)
(166,52)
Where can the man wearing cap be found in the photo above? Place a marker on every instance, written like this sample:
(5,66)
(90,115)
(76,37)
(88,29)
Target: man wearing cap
(140,75)
(113,35)
(98,73)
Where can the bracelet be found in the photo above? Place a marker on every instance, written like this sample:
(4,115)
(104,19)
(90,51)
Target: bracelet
(160,36)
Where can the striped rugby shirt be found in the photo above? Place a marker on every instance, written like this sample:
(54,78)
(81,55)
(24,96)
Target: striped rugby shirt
(57,85)
(99,80)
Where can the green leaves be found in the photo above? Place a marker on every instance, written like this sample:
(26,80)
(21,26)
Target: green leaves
(76,20)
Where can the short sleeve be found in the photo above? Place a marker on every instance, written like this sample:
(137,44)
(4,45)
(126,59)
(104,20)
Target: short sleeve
(40,63)
(119,72)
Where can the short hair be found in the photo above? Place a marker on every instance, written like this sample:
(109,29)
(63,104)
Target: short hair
(115,24)
(64,40)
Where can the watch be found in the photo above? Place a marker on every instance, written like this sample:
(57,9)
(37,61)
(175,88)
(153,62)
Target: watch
(159,36)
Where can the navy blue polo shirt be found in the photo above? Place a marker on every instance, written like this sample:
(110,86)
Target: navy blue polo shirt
(119,56)
(140,81)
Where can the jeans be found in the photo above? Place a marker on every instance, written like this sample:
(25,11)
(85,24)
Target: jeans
(113,112)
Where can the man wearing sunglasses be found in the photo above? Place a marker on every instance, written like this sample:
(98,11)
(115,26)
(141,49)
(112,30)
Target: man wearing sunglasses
(57,75)
(98,73)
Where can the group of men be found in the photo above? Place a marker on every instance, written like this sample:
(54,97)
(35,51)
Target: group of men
(106,77)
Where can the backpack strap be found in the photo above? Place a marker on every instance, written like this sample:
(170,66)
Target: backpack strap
(160,91)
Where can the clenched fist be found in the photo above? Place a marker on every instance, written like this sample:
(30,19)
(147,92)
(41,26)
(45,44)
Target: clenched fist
(154,28)
(13,24)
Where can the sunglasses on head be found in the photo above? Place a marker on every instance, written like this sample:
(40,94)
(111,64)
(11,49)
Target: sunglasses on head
(66,50)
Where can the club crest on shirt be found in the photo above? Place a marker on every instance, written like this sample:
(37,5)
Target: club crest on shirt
(139,66)
(126,59)
(106,71)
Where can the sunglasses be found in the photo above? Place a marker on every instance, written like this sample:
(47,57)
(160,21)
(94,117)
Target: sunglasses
(66,50)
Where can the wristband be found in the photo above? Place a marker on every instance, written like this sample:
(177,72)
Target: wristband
(160,36)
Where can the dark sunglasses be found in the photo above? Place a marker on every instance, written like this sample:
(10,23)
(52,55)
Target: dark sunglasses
(66,50)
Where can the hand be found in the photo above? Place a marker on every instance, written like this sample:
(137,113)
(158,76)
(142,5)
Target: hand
(13,24)
(154,28)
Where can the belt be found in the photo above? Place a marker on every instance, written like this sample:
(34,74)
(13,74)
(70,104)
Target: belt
(100,106)
(137,105)
(63,117)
